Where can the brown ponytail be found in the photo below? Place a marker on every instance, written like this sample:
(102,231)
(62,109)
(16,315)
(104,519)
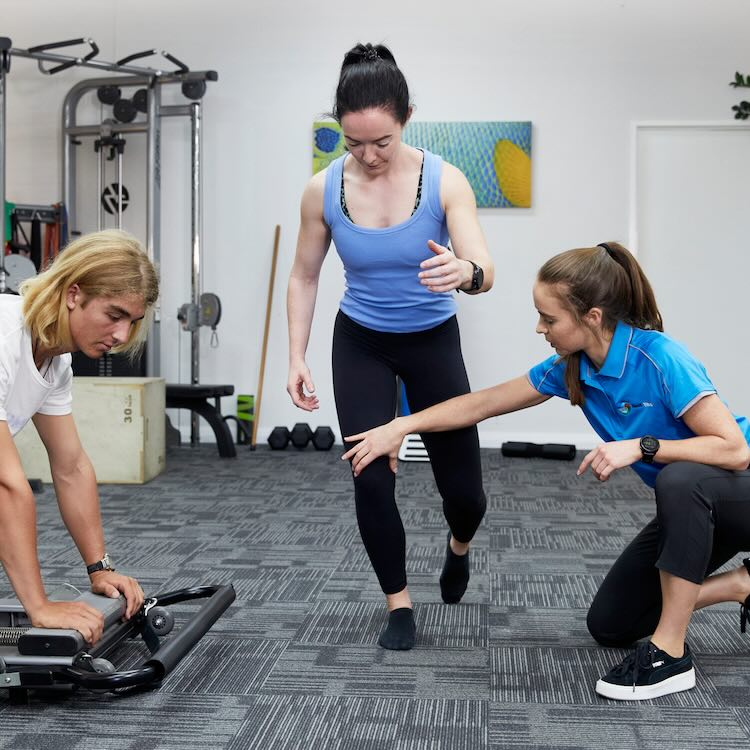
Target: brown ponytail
(608,277)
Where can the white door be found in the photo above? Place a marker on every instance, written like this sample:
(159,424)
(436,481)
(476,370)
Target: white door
(692,224)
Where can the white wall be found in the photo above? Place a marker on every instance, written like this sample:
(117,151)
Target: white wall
(693,195)
(581,71)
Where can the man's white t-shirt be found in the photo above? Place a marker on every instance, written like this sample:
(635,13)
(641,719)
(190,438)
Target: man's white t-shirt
(24,391)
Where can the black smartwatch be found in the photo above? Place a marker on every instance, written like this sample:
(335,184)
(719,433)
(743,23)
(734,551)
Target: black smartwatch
(477,278)
(104,564)
(649,448)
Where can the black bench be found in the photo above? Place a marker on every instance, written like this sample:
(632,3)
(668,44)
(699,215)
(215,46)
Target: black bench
(196,398)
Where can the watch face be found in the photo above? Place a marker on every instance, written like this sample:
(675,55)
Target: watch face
(478,278)
(649,444)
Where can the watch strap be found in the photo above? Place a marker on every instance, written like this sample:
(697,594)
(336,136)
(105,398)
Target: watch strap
(104,564)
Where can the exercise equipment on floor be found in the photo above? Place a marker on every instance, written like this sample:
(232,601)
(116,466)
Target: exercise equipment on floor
(244,418)
(196,399)
(42,658)
(279,438)
(412,448)
(559,451)
(300,436)
(26,252)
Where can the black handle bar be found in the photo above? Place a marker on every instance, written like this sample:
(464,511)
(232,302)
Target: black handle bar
(181,67)
(93,52)
(161,663)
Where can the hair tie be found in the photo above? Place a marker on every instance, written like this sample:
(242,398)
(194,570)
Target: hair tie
(371,54)
(609,250)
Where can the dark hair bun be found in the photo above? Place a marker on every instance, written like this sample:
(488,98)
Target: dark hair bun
(368,53)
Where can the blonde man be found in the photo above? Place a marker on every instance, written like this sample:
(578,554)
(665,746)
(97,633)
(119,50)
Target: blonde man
(95,298)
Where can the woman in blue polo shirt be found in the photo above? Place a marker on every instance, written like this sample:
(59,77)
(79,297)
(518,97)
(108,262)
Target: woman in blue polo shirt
(657,410)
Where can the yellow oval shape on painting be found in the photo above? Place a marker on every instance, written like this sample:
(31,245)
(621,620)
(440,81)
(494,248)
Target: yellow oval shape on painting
(513,172)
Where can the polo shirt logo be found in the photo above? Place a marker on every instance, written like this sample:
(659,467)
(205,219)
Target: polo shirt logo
(626,408)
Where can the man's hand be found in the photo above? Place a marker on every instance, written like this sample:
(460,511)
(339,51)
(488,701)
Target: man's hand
(87,620)
(109,583)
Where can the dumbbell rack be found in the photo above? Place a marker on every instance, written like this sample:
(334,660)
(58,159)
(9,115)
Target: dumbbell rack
(300,435)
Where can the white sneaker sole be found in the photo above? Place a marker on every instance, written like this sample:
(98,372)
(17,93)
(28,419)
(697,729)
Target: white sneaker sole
(676,684)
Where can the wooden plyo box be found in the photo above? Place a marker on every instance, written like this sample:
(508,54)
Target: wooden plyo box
(121,424)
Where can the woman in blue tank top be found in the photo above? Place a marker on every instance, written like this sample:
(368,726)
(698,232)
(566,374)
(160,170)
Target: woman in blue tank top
(391,210)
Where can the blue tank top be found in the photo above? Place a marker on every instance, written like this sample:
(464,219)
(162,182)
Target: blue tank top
(381,265)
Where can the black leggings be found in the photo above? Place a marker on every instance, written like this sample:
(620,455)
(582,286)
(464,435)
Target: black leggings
(365,366)
(702,520)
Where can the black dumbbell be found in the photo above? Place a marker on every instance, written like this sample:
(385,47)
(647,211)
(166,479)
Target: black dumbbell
(301,434)
(193,89)
(108,94)
(124,110)
(279,438)
(323,438)
(140,100)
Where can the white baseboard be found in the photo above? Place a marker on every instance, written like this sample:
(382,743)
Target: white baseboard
(488,438)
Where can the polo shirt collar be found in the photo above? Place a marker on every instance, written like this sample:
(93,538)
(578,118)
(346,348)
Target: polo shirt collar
(614,364)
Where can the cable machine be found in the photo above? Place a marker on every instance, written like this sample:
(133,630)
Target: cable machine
(109,143)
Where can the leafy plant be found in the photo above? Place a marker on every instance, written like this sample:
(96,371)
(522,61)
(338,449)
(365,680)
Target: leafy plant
(741,110)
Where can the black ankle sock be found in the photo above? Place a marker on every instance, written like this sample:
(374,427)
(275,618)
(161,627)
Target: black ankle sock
(455,575)
(400,633)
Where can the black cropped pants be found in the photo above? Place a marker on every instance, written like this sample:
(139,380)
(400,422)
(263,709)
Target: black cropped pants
(365,366)
(702,520)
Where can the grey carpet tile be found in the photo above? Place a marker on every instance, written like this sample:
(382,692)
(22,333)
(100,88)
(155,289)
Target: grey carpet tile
(349,723)
(730,676)
(264,620)
(616,727)
(220,665)
(141,553)
(716,630)
(537,626)
(360,623)
(559,537)
(310,533)
(268,556)
(426,673)
(264,584)
(742,716)
(457,626)
(151,721)
(294,663)
(551,562)
(353,586)
(556,591)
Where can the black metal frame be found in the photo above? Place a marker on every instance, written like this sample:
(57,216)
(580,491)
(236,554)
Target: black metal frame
(163,658)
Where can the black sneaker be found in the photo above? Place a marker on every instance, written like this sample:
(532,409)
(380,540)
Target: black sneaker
(648,672)
(745,608)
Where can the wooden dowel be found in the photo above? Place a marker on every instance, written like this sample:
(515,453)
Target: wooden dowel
(269,301)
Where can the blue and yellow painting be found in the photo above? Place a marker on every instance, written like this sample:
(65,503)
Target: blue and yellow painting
(494,156)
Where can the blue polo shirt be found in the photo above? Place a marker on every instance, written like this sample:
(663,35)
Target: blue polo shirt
(646,384)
